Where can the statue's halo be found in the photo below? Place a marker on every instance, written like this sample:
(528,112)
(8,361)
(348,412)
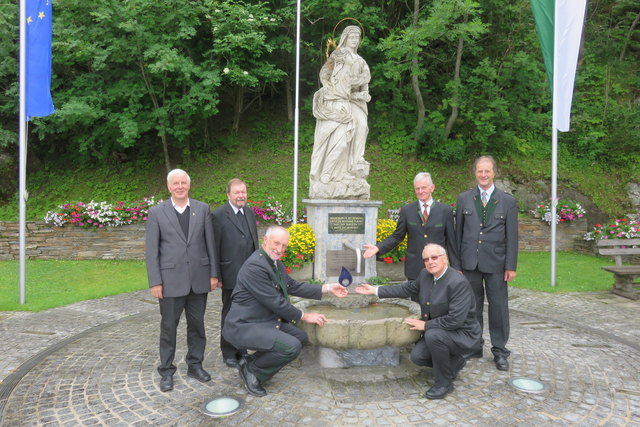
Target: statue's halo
(331,42)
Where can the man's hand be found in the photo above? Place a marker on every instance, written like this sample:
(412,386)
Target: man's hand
(509,275)
(214,283)
(366,289)
(156,291)
(416,324)
(338,290)
(317,318)
(370,250)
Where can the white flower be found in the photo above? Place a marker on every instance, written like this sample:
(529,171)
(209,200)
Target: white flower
(245,73)
(226,70)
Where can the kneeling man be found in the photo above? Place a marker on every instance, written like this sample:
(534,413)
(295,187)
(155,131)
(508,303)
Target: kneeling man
(261,317)
(449,324)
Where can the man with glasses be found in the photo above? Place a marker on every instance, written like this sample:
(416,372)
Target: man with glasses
(449,325)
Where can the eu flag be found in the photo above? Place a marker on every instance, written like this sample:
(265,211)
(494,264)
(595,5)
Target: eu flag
(38,59)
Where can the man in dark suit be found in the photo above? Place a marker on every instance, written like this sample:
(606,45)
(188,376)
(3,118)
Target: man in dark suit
(423,221)
(181,266)
(487,236)
(236,234)
(448,318)
(261,317)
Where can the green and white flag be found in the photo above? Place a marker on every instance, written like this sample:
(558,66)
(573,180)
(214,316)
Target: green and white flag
(559,24)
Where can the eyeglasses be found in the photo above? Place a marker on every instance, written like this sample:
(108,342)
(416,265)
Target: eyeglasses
(432,258)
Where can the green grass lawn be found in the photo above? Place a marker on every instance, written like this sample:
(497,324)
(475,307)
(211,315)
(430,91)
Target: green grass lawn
(574,272)
(56,283)
(53,283)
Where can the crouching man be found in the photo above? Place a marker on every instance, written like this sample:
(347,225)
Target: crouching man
(449,324)
(261,316)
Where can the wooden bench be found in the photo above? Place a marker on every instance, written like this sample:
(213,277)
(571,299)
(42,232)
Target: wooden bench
(624,275)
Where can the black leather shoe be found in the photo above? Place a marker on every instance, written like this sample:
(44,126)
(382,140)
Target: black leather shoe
(231,362)
(251,383)
(199,374)
(457,366)
(502,364)
(166,383)
(438,392)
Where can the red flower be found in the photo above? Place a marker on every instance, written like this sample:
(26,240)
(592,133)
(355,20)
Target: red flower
(402,259)
(288,270)
(388,260)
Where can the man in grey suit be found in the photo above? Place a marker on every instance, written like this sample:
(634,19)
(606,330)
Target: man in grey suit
(181,266)
(236,235)
(487,235)
(449,324)
(423,221)
(261,317)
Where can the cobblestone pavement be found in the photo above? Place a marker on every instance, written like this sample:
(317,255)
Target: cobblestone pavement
(93,363)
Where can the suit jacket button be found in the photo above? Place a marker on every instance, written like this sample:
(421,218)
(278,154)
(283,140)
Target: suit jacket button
(427,303)
(481,232)
(277,326)
(426,315)
(425,236)
(479,241)
(480,226)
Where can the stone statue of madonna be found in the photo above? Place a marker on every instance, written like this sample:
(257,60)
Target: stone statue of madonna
(338,167)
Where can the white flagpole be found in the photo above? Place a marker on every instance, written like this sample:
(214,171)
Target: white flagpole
(22,192)
(554,149)
(296,117)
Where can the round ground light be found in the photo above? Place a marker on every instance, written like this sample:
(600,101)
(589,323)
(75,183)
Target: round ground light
(222,406)
(529,385)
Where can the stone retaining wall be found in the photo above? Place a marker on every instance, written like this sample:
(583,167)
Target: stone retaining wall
(127,242)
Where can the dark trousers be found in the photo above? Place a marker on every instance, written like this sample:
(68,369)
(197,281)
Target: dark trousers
(228,351)
(287,347)
(497,297)
(436,349)
(194,306)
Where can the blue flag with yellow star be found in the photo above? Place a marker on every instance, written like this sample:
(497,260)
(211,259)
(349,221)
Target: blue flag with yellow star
(38,100)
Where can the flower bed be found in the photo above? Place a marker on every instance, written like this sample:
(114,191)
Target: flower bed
(566,210)
(95,215)
(622,228)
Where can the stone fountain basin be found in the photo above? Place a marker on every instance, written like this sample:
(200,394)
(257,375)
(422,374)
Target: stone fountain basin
(360,322)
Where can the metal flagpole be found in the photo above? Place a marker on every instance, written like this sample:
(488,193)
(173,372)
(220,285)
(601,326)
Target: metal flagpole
(554,152)
(22,192)
(296,117)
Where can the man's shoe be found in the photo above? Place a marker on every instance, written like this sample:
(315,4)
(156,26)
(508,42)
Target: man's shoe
(251,383)
(502,364)
(199,374)
(438,392)
(231,362)
(457,366)
(166,383)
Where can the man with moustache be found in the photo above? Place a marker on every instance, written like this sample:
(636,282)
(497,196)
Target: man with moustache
(261,318)
(487,237)
(423,221)
(449,324)
(181,266)
(236,236)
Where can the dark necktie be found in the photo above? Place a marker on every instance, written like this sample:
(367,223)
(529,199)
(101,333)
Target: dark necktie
(425,214)
(242,222)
